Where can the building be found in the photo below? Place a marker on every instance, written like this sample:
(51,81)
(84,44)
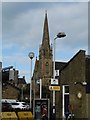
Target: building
(12,85)
(73,77)
(10,91)
(75,87)
(43,67)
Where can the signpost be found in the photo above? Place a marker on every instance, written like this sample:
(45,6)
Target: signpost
(54,81)
(56,88)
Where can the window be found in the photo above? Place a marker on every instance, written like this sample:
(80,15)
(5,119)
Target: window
(47,67)
(46,63)
(66,89)
(15,103)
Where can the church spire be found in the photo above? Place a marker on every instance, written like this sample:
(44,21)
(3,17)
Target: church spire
(45,40)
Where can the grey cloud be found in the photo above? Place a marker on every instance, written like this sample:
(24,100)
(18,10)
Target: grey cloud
(22,30)
(45,0)
(27,27)
(73,21)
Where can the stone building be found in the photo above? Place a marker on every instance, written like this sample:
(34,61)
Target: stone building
(12,85)
(43,66)
(75,87)
(10,91)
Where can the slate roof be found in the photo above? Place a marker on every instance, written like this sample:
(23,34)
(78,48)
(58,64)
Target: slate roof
(59,65)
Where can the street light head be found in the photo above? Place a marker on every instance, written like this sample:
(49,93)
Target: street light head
(61,34)
(31,55)
(84,83)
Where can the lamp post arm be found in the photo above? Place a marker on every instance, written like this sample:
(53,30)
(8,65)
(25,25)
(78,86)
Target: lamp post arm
(55,38)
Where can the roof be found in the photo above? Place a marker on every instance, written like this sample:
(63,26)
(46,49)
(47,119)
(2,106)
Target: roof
(21,80)
(59,65)
(88,56)
(72,58)
(8,83)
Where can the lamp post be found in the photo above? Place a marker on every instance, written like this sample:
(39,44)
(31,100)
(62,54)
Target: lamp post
(59,35)
(31,56)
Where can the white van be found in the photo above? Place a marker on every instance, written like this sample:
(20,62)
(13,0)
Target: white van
(20,105)
(9,100)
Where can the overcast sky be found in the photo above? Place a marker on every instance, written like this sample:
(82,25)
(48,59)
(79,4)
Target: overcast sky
(22,30)
(44,0)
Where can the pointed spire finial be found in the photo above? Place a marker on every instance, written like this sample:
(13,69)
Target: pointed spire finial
(46,14)
(45,11)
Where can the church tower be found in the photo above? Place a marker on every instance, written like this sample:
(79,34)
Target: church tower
(45,55)
(43,65)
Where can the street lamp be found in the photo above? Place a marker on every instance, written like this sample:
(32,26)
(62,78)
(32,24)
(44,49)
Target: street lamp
(59,35)
(31,56)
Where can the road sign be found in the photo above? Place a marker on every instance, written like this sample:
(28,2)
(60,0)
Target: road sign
(54,81)
(56,72)
(56,88)
(38,81)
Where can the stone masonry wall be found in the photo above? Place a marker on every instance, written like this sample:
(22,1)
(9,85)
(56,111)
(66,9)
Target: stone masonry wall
(75,72)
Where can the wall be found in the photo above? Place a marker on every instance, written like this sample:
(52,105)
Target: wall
(75,72)
(10,92)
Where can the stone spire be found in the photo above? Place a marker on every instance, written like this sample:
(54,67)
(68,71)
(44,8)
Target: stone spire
(45,39)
